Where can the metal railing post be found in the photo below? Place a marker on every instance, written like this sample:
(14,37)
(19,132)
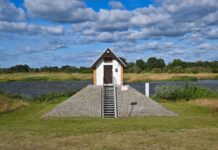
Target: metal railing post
(147,89)
(115,97)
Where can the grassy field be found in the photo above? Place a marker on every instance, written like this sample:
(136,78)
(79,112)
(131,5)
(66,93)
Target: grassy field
(196,127)
(128,77)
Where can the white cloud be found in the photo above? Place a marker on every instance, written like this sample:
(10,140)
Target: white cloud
(9,12)
(116,5)
(29,29)
(207,46)
(212,33)
(51,46)
(73,11)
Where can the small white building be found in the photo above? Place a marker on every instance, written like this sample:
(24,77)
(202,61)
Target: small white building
(108,69)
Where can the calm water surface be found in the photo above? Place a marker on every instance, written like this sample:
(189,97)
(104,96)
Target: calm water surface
(29,89)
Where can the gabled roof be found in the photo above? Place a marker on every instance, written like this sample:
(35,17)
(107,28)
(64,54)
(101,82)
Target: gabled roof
(108,53)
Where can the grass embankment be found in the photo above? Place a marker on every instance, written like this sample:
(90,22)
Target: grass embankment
(200,96)
(128,77)
(43,77)
(196,127)
(8,103)
(141,77)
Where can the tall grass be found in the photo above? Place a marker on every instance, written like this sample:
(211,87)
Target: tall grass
(52,97)
(188,92)
(9,103)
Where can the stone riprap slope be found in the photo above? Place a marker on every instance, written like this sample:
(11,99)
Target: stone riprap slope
(144,107)
(87,103)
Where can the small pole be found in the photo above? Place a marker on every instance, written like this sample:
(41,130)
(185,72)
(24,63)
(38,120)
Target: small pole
(147,89)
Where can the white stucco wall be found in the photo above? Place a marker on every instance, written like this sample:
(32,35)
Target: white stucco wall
(100,71)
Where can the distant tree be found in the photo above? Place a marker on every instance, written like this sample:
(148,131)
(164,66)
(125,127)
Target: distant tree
(123,60)
(160,63)
(176,63)
(134,69)
(85,70)
(151,63)
(19,68)
(141,64)
(129,66)
(49,69)
(69,69)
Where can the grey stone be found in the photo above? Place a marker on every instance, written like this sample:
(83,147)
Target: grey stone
(87,103)
(144,107)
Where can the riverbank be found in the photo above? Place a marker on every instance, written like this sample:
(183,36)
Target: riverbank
(128,77)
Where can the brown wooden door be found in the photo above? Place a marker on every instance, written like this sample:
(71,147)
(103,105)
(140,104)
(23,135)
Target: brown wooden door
(108,74)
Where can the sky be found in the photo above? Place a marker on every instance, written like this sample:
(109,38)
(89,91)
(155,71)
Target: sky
(76,32)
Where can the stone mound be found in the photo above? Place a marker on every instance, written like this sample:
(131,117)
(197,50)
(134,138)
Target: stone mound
(87,103)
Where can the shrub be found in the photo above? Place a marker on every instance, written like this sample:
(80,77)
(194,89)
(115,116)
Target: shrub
(168,93)
(184,78)
(215,70)
(52,97)
(173,93)
(35,79)
(156,70)
(178,69)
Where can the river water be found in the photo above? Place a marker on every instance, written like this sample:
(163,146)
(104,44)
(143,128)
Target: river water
(29,89)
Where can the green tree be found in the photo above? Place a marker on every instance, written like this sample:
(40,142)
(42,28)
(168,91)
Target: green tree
(151,63)
(19,68)
(176,63)
(141,64)
(160,63)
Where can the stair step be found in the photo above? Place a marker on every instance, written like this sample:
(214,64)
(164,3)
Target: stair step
(109,100)
(109,114)
(109,106)
(109,111)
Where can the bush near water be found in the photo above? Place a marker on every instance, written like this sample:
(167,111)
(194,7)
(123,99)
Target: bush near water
(188,92)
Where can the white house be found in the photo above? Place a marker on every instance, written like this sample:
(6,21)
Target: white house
(108,69)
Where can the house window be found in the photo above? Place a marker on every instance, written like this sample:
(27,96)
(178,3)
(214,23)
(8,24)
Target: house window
(108,59)
(116,70)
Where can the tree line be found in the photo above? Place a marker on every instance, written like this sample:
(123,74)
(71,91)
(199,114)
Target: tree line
(26,68)
(158,65)
(153,64)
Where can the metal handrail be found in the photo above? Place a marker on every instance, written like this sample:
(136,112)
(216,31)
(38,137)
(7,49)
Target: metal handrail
(115,97)
(102,103)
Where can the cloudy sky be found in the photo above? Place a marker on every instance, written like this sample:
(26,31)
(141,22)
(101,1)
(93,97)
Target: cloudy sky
(75,32)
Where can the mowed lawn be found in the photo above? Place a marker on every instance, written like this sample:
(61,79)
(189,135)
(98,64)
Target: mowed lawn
(196,127)
(128,77)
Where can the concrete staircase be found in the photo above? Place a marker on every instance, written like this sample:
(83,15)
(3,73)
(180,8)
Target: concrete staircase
(109,102)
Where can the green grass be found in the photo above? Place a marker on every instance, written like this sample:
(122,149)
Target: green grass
(183,78)
(188,92)
(195,128)
(44,76)
(128,77)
